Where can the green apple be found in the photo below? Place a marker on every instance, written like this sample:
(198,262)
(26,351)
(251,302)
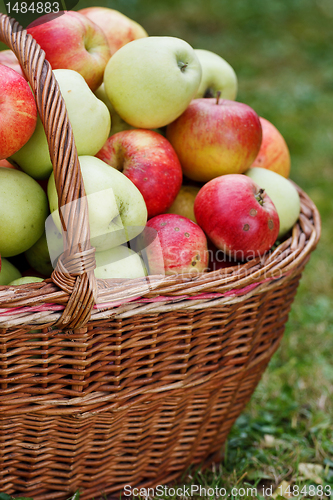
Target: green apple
(8,272)
(217,76)
(89,117)
(119,262)
(38,256)
(151,81)
(282,193)
(117,210)
(117,123)
(26,279)
(23,210)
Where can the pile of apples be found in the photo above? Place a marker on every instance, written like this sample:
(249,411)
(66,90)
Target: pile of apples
(179,176)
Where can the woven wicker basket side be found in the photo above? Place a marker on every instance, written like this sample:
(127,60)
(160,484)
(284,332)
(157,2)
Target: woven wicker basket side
(149,438)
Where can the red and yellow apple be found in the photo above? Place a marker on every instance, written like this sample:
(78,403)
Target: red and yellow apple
(73,41)
(8,58)
(118,28)
(182,243)
(237,216)
(18,112)
(215,137)
(150,162)
(274,153)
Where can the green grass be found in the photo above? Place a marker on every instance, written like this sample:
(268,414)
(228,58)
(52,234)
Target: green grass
(282,52)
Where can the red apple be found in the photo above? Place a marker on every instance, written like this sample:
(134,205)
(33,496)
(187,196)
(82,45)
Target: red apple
(150,162)
(18,112)
(8,58)
(118,28)
(215,137)
(182,243)
(72,41)
(237,216)
(274,153)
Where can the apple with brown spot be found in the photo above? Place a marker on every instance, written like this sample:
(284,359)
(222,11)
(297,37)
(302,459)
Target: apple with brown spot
(182,243)
(150,162)
(237,216)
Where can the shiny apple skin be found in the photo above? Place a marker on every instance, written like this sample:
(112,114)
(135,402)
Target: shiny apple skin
(150,162)
(227,210)
(182,242)
(215,137)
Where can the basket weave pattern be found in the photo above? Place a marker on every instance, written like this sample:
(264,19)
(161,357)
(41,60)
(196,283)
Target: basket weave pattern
(107,383)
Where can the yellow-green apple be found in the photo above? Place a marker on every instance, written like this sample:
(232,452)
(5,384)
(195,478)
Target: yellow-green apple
(117,210)
(38,256)
(89,117)
(24,280)
(282,193)
(23,210)
(215,137)
(8,58)
(149,160)
(182,242)
(151,81)
(237,216)
(117,123)
(217,76)
(274,152)
(118,28)
(184,202)
(119,262)
(8,272)
(18,112)
(73,41)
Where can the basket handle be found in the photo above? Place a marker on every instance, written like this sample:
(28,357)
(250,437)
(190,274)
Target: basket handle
(75,269)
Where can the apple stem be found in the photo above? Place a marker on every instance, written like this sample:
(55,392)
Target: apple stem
(259,197)
(218,95)
(182,66)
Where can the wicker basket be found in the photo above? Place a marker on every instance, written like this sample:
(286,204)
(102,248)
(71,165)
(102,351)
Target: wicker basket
(127,382)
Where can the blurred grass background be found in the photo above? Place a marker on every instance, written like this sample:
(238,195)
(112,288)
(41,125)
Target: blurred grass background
(282,52)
